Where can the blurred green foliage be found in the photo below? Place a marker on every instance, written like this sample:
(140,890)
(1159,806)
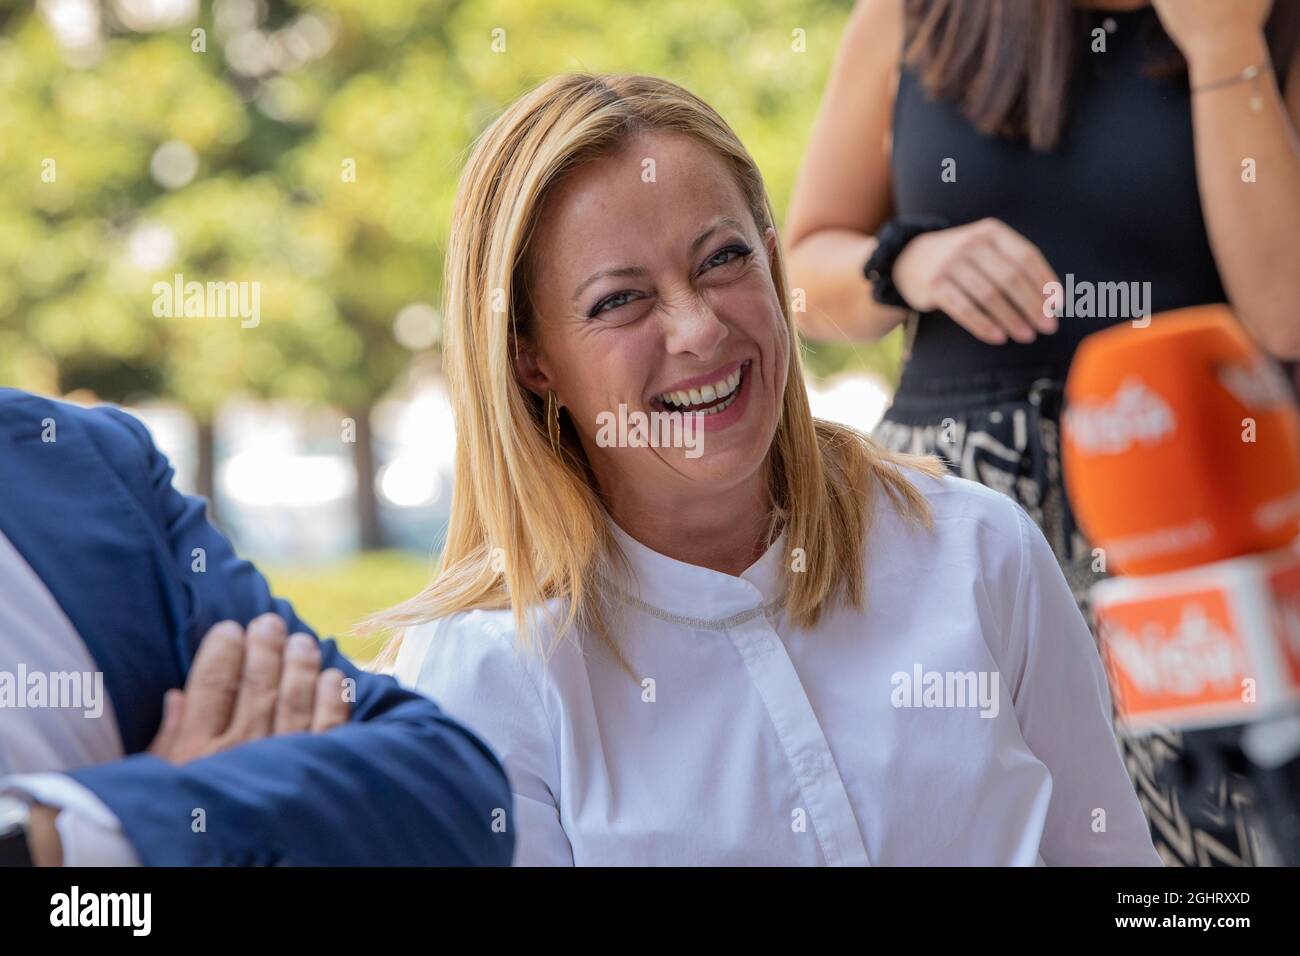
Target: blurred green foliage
(281,102)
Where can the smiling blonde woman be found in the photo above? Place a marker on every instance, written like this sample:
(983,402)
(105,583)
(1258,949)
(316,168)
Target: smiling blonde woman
(790,648)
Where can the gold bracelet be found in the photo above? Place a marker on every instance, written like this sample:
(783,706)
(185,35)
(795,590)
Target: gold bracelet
(1250,74)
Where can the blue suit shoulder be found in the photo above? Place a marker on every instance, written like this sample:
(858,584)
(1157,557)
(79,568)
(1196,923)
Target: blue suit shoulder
(121,439)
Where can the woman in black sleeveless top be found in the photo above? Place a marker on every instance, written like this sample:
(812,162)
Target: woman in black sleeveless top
(967,154)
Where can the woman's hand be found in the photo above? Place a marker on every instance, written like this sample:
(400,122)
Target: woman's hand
(1202,28)
(244,687)
(990,279)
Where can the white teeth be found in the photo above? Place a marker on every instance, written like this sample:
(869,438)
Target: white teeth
(721,407)
(709,393)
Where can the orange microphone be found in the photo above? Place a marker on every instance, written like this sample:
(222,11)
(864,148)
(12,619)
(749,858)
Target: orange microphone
(1181,454)
(1182,443)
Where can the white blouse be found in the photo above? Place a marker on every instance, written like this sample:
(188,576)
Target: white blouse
(961,718)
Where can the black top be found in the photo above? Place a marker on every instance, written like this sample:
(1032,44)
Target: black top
(1115,201)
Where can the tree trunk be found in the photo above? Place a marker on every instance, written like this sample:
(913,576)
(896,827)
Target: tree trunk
(205,469)
(363,461)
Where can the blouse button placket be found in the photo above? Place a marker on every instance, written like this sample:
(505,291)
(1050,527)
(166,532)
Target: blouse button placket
(801,737)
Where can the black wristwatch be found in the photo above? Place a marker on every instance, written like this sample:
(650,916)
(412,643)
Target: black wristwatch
(891,238)
(14,849)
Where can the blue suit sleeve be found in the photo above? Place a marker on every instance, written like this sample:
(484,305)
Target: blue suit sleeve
(400,784)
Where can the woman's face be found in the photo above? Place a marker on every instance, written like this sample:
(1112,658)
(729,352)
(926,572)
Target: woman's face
(654,301)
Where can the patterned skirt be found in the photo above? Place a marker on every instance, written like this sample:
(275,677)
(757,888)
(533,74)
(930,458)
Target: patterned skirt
(1202,809)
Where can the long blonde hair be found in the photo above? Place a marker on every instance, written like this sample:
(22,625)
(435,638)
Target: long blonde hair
(527,525)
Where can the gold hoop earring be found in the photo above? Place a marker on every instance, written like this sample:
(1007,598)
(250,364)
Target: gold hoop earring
(553,422)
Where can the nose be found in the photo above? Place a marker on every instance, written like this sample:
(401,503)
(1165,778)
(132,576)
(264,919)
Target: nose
(692,328)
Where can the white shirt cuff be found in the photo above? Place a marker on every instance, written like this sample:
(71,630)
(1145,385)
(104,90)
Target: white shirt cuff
(89,831)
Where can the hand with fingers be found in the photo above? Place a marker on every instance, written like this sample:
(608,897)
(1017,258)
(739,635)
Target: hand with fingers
(986,276)
(246,685)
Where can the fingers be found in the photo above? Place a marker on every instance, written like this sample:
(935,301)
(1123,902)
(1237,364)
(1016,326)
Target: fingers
(990,297)
(994,282)
(331,706)
(165,741)
(1029,262)
(245,686)
(961,308)
(1016,288)
(213,683)
(259,685)
(295,708)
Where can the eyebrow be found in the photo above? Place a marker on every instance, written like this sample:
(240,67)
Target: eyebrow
(620,271)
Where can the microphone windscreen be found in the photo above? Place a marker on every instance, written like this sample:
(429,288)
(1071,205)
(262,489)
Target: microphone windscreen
(1180,443)
(1215,645)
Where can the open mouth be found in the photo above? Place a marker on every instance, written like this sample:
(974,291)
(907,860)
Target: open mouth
(707,399)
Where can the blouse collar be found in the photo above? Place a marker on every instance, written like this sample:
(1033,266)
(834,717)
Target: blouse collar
(688,590)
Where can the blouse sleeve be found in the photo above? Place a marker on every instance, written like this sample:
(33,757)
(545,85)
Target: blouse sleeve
(1063,705)
(471,667)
